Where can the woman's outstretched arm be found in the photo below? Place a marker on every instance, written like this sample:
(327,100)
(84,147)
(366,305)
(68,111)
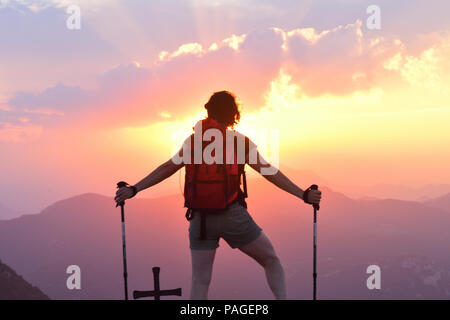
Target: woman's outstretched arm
(161,173)
(281,181)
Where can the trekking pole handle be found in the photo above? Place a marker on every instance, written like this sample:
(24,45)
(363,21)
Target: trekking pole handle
(315,187)
(121,184)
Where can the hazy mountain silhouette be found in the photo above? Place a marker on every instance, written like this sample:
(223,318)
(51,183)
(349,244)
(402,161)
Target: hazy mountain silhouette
(401,192)
(408,240)
(442,202)
(14,287)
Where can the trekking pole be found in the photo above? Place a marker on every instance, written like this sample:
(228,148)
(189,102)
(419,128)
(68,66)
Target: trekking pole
(316,207)
(124,248)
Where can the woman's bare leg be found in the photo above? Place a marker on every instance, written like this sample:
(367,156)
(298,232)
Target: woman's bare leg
(202,264)
(263,252)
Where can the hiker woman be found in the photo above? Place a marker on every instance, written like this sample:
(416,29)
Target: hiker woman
(215,203)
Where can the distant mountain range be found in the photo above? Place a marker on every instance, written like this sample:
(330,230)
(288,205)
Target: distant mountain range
(173,185)
(401,192)
(407,239)
(442,202)
(14,287)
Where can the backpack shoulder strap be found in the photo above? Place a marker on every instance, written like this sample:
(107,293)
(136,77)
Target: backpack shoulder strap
(241,167)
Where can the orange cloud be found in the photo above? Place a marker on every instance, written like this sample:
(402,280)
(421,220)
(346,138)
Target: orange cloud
(338,61)
(428,69)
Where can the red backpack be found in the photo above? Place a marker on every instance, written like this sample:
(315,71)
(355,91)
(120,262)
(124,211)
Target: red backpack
(212,187)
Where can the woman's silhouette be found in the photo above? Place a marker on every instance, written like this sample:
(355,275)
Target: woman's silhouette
(216,204)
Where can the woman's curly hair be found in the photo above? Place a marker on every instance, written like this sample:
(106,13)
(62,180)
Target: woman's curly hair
(223,107)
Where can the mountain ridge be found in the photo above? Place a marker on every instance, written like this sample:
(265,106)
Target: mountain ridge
(14,287)
(84,230)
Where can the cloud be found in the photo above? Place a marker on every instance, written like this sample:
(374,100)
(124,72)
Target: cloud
(38,51)
(338,61)
(60,97)
(197,49)
(178,84)
(48,107)
(430,69)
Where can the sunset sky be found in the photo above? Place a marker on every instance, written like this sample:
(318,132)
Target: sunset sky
(83,109)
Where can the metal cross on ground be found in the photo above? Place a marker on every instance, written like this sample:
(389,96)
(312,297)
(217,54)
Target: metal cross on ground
(157,293)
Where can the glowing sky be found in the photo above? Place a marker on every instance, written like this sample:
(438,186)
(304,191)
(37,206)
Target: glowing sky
(82,109)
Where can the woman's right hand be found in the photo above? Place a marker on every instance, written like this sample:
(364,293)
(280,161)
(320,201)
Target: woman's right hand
(123,194)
